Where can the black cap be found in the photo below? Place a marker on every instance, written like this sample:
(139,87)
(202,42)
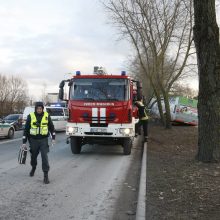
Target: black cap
(39,104)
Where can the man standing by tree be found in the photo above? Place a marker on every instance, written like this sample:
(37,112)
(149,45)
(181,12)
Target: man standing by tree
(206,37)
(37,129)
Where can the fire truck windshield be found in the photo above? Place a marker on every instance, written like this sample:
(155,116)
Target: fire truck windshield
(100,89)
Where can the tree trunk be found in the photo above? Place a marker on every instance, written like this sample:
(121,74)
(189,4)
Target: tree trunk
(206,37)
(160,108)
(167,109)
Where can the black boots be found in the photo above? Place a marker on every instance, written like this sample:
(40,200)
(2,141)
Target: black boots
(46,179)
(32,171)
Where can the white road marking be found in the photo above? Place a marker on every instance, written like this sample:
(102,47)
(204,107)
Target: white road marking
(5,142)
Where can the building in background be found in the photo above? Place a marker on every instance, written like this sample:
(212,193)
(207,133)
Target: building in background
(52,97)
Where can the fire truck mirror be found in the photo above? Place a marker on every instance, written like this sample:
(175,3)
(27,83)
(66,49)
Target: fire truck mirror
(134,96)
(139,85)
(61,93)
(139,90)
(70,83)
(62,84)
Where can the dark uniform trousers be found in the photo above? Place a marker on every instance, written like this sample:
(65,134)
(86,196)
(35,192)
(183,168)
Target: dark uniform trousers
(144,124)
(36,146)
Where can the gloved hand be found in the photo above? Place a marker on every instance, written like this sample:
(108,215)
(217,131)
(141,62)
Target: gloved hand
(24,146)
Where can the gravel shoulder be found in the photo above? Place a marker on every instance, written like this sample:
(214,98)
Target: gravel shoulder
(178,186)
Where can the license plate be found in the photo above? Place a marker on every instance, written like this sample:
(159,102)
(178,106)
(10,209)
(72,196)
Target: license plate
(103,130)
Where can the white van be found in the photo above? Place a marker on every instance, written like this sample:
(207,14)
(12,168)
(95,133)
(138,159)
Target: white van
(59,116)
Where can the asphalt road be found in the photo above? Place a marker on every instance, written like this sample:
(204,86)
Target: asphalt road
(97,184)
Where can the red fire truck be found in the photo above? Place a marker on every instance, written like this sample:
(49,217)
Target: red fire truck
(101,109)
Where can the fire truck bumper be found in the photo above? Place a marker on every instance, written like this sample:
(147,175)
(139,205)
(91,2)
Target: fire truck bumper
(113,130)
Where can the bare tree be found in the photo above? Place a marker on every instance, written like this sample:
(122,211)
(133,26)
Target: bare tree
(4,93)
(206,36)
(17,92)
(138,73)
(183,90)
(13,94)
(161,32)
(44,96)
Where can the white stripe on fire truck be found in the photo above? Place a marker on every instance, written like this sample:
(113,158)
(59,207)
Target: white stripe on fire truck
(94,115)
(102,115)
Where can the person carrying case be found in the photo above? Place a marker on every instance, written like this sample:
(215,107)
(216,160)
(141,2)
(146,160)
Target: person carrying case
(22,155)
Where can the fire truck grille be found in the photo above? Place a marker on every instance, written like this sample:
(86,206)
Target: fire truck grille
(104,119)
(98,125)
(98,133)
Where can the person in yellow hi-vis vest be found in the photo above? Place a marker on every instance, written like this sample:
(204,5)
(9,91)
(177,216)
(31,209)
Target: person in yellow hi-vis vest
(143,119)
(37,129)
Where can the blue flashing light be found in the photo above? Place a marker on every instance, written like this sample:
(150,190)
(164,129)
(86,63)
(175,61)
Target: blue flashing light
(55,105)
(123,73)
(78,73)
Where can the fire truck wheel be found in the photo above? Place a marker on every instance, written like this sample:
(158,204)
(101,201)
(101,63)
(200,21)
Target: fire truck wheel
(127,144)
(76,145)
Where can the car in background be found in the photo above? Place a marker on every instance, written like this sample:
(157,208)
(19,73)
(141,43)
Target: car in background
(6,129)
(15,120)
(58,114)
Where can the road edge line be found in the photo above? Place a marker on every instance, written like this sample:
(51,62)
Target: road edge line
(10,141)
(141,203)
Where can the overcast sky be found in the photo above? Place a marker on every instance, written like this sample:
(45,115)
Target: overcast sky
(44,40)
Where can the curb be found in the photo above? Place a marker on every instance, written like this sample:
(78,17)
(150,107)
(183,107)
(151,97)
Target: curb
(141,204)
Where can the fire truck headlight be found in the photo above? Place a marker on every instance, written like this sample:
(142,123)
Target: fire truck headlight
(125,131)
(71,130)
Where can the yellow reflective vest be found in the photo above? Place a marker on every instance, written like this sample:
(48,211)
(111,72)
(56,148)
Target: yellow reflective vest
(42,128)
(142,113)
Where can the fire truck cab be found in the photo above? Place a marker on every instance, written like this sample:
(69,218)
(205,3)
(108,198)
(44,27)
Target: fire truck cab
(101,109)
